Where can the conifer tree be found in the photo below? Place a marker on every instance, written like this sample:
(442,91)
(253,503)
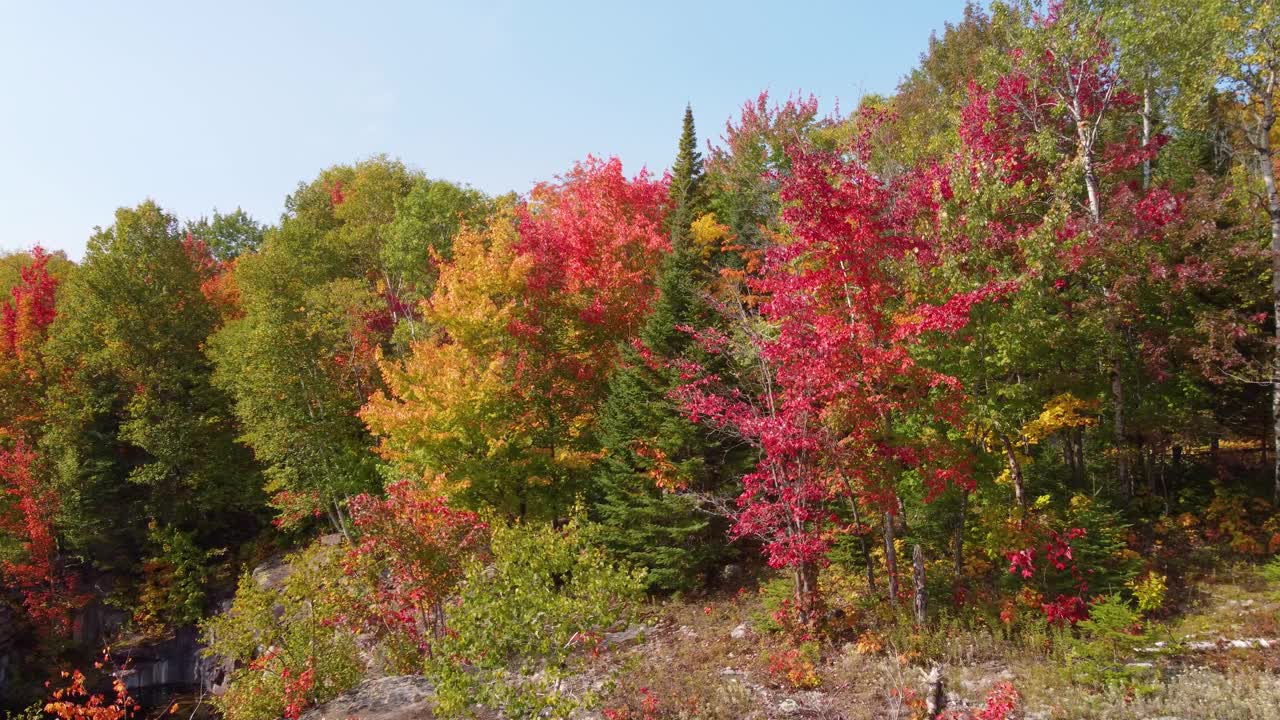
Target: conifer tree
(652,453)
(688,201)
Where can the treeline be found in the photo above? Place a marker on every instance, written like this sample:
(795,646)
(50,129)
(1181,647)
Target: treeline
(1019,315)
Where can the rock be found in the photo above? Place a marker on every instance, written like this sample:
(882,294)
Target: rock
(731,573)
(741,632)
(401,697)
(624,637)
(272,574)
(789,706)
(158,666)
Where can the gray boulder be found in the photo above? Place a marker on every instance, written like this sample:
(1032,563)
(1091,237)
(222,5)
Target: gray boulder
(401,697)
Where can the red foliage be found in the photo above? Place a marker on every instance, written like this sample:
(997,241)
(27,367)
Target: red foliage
(1058,559)
(49,594)
(595,237)
(297,690)
(217,281)
(75,702)
(413,547)
(837,367)
(30,310)
(1001,703)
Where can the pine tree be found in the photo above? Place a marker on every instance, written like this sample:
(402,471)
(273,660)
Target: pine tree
(688,201)
(650,448)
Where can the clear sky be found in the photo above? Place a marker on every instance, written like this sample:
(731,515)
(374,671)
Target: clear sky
(224,104)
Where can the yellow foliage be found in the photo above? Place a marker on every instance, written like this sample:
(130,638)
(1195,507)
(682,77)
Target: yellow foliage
(868,643)
(1063,412)
(708,235)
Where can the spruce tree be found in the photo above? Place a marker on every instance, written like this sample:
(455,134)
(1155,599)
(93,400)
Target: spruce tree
(645,437)
(688,201)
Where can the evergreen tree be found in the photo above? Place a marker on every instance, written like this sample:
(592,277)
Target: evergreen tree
(651,449)
(688,201)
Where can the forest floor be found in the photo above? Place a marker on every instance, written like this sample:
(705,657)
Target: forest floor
(1218,658)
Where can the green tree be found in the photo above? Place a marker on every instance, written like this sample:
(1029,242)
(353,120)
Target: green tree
(321,302)
(688,200)
(137,430)
(228,236)
(651,451)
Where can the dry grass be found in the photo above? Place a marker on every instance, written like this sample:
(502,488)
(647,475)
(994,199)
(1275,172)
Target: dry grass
(689,666)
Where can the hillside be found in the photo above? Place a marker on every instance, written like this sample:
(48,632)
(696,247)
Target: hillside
(963,404)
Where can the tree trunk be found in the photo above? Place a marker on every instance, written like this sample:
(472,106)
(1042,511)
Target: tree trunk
(866,551)
(1148,466)
(959,546)
(1090,173)
(806,592)
(1146,129)
(890,559)
(917,574)
(1079,468)
(1266,159)
(1117,398)
(1015,470)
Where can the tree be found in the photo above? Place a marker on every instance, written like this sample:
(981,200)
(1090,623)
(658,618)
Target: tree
(228,236)
(743,172)
(1246,59)
(29,558)
(24,326)
(500,402)
(831,383)
(321,301)
(656,462)
(687,197)
(137,430)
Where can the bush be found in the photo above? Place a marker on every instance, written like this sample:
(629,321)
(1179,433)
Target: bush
(1107,639)
(1149,592)
(174,580)
(794,667)
(409,558)
(529,621)
(289,651)
(1271,571)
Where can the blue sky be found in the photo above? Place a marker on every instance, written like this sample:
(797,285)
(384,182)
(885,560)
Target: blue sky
(226,104)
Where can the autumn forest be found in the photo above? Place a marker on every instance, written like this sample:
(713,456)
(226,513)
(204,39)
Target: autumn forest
(963,404)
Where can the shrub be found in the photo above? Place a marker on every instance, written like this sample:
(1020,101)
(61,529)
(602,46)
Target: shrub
(174,580)
(1271,571)
(527,622)
(1149,592)
(794,667)
(289,649)
(409,558)
(74,700)
(1108,638)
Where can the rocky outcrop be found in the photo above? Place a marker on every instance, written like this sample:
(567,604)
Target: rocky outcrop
(8,647)
(401,697)
(169,662)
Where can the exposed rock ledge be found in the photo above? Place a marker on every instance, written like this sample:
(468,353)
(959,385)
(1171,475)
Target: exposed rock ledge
(401,697)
